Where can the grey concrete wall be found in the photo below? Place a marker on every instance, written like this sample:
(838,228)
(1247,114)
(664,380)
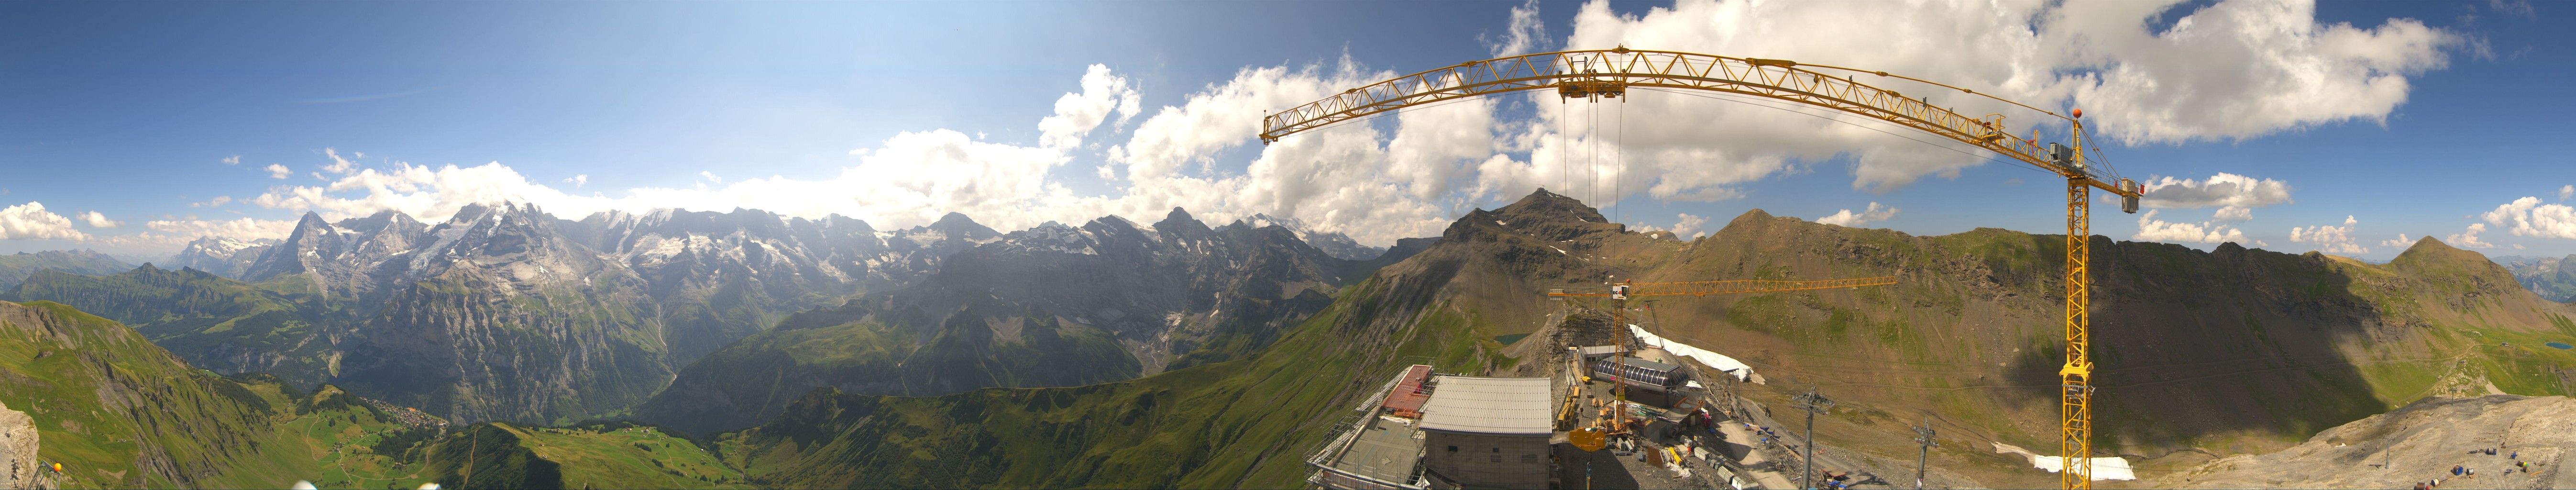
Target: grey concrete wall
(1487,461)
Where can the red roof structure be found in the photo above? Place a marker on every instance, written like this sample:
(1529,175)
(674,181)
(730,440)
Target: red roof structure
(1409,395)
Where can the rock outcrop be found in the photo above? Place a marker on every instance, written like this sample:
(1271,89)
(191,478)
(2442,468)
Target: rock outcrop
(19,466)
(2533,438)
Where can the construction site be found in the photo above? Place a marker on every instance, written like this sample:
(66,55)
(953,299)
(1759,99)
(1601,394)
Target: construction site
(1411,435)
(1631,415)
(1632,409)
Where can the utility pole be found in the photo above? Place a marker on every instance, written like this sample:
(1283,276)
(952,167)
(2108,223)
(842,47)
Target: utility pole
(1922,436)
(1813,404)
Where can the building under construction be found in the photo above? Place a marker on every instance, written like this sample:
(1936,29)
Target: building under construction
(1444,431)
(1426,430)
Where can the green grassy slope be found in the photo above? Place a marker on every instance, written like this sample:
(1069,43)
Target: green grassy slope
(1247,422)
(120,412)
(217,323)
(2229,350)
(502,455)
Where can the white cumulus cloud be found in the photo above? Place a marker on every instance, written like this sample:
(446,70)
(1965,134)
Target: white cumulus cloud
(2156,230)
(96,220)
(31,221)
(1874,213)
(2330,239)
(232,160)
(339,166)
(276,171)
(2402,241)
(2236,196)
(1523,35)
(2566,191)
(181,230)
(2528,217)
(1076,114)
(1686,227)
(2231,70)
(2469,238)
(578,180)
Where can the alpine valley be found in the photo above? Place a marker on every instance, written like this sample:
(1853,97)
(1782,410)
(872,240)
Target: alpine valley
(505,347)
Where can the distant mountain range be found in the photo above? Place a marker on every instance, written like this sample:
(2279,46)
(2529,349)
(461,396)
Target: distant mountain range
(220,256)
(507,313)
(1053,305)
(2553,279)
(2225,351)
(1179,355)
(16,267)
(502,312)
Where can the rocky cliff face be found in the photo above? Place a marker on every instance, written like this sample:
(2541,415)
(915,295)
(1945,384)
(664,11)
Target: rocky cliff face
(498,315)
(2415,444)
(722,276)
(19,466)
(1055,305)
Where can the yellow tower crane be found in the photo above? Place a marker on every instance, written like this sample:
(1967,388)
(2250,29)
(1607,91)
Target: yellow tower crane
(1610,73)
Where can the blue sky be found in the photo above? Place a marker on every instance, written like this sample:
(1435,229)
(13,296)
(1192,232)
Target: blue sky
(897,112)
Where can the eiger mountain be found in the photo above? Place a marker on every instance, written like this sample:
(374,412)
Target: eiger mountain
(2232,350)
(16,267)
(505,312)
(1053,305)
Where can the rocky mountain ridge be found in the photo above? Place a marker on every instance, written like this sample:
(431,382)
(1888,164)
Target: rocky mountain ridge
(16,267)
(2232,350)
(222,256)
(504,311)
(1053,305)
(2553,278)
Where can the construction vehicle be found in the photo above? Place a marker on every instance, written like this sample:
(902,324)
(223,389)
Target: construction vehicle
(1599,74)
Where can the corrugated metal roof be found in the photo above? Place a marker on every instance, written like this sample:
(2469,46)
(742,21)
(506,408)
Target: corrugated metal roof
(1488,405)
(1643,363)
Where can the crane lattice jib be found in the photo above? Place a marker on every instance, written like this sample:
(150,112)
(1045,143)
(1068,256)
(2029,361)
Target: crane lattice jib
(1611,72)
